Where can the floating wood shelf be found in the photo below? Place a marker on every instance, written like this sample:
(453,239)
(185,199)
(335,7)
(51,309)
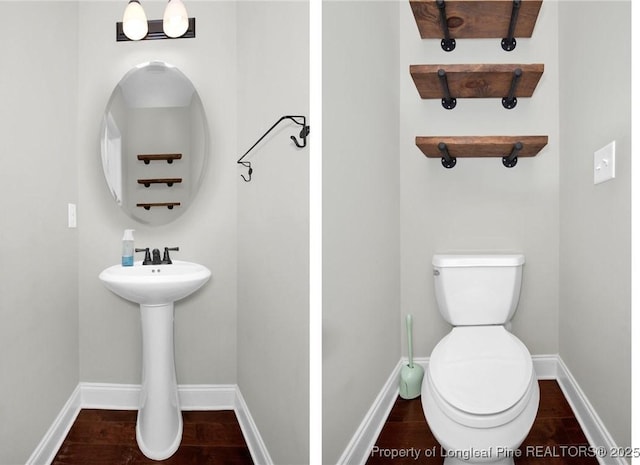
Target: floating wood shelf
(168,157)
(481,146)
(168,181)
(476,81)
(148,206)
(475,19)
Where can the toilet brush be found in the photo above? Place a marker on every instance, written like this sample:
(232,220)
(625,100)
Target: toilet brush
(410,375)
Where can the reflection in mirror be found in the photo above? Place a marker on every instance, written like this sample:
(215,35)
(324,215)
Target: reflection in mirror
(154,143)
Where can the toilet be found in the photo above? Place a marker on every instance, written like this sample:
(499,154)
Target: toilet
(480,393)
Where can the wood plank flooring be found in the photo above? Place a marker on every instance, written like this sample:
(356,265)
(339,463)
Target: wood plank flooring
(554,439)
(108,437)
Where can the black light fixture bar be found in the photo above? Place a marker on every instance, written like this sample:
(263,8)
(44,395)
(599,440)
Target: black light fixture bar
(156,31)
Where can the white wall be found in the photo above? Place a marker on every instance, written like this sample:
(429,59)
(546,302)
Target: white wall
(38,254)
(273,225)
(479,205)
(205,323)
(361,193)
(595,220)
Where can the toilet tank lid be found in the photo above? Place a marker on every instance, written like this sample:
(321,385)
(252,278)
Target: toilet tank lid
(469,260)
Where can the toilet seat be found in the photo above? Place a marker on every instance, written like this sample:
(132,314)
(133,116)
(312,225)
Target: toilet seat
(482,376)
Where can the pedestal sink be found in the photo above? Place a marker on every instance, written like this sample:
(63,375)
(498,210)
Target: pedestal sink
(156,288)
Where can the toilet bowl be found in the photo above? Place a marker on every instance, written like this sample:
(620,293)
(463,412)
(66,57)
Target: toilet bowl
(480,393)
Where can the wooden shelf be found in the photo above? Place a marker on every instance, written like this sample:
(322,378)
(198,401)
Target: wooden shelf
(168,157)
(475,19)
(468,19)
(168,181)
(481,146)
(148,206)
(476,81)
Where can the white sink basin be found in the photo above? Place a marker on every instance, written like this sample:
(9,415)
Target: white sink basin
(155,284)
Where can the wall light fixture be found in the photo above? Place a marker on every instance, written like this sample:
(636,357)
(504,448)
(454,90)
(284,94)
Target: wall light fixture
(175,23)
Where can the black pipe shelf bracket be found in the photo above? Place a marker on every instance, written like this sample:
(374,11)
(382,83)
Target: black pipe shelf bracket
(509,42)
(304,132)
(509,161)
(510,101)
(448,43)
(448,102)
(447,160)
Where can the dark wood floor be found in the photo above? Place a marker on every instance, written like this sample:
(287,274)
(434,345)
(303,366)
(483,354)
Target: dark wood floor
(108,437)
(554,439)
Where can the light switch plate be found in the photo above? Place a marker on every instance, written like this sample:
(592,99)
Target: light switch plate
(604,163)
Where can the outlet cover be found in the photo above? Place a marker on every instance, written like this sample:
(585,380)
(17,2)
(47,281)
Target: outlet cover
(604,163)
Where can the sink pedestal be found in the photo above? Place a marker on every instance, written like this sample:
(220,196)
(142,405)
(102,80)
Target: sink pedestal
(159,425)
(155,288)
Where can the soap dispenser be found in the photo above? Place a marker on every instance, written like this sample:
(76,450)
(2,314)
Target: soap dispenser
(127,247)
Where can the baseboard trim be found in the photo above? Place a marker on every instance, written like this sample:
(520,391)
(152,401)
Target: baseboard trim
(362,442)
(257,448)
(586,415)
(126,396)
(52,440)
(110,396)
(548,366)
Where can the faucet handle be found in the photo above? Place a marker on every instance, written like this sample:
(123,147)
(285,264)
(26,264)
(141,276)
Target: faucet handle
(147,255)
(166,259)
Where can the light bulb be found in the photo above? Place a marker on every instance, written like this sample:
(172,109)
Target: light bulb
(175,21)
(134,21)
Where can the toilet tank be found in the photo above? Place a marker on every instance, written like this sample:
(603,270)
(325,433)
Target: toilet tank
(477,289)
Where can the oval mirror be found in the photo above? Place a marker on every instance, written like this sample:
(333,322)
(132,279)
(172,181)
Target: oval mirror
(154,143)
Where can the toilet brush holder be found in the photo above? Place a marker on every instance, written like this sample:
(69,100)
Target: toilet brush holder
(410,375)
